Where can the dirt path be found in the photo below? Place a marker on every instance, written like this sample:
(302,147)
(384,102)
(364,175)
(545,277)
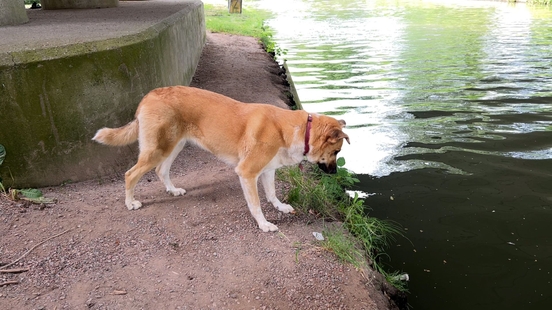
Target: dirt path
(200,251)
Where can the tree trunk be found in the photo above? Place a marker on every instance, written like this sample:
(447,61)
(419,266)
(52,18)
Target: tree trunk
(235,6)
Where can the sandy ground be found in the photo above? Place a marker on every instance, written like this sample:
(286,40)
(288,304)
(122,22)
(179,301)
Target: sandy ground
(199,251)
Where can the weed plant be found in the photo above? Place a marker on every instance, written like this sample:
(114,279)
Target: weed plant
(313,191)
(344,246)
(31,194)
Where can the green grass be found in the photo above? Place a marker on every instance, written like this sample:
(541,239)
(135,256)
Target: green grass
(30,194)
(249,23)
(366,238)
(539,2)
(344,246)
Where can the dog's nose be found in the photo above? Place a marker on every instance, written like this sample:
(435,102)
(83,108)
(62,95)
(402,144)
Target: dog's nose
(324,167)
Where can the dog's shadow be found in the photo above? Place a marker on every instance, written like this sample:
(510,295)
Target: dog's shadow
(213,192)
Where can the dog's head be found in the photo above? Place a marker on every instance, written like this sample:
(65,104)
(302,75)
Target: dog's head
(327,140)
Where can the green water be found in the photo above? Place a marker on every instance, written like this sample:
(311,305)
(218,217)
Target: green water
(449,109)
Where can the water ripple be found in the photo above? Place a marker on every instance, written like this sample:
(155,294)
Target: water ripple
(375,68)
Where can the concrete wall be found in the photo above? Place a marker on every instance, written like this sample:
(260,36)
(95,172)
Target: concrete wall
(12,12)
(51,106)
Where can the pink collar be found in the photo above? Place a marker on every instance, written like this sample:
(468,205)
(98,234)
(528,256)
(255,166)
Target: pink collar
(307,135)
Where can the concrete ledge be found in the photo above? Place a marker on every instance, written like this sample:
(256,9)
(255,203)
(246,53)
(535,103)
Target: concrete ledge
(53,99)
(78,4)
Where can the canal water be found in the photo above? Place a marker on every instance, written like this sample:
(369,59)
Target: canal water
(449,109)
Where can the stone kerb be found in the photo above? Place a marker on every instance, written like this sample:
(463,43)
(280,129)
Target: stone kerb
(53,100)
(78,4)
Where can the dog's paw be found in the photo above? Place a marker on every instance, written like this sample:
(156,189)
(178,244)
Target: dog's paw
(177,191)
(133,205)
(267,226)
(285,208)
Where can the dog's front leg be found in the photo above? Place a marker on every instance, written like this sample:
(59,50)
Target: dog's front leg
(267,178)
(250,191)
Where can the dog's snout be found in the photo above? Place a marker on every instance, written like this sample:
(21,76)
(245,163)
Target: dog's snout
(332,169)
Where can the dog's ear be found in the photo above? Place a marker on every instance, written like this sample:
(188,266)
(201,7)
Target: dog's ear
(336,135)
(342,123)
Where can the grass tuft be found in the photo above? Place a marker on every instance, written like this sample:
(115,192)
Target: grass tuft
(344,246)
(313,191)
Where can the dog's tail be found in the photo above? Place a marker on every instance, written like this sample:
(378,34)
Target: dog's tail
(124,135)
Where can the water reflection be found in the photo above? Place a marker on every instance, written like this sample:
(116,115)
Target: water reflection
(378,64)
(449,109)
(340,53)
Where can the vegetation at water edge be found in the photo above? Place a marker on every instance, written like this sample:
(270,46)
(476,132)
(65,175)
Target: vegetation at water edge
(365,238)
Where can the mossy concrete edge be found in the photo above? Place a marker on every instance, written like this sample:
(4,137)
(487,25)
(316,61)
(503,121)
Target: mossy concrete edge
(52,101)
(292,88)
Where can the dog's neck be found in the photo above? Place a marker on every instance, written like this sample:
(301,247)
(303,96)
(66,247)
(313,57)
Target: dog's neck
(307,135)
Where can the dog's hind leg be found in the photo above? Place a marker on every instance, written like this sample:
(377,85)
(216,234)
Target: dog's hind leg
(147,160)
(267,179)
(164,168)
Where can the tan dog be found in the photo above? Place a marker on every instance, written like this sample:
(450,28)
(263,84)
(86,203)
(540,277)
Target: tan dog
(255,138)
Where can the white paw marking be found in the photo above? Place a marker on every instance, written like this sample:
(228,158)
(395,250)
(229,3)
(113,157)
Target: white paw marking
(133,205)
(285,208)
(177,191)
(267,226)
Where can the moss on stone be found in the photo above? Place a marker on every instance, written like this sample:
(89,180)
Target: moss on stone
(52,101)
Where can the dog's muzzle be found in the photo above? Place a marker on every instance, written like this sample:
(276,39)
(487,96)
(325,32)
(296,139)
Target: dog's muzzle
(332,169)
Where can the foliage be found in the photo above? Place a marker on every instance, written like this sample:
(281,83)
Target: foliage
(30,194)
(313,191)
(249,23)
(539,2)
(344,247)
(269,45)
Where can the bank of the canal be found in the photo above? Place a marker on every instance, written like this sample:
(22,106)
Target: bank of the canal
(448,106)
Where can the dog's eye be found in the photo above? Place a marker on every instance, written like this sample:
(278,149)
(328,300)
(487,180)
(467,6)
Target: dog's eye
(336,152)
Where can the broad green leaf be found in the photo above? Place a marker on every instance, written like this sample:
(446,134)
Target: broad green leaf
(30,193)
(341,162)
